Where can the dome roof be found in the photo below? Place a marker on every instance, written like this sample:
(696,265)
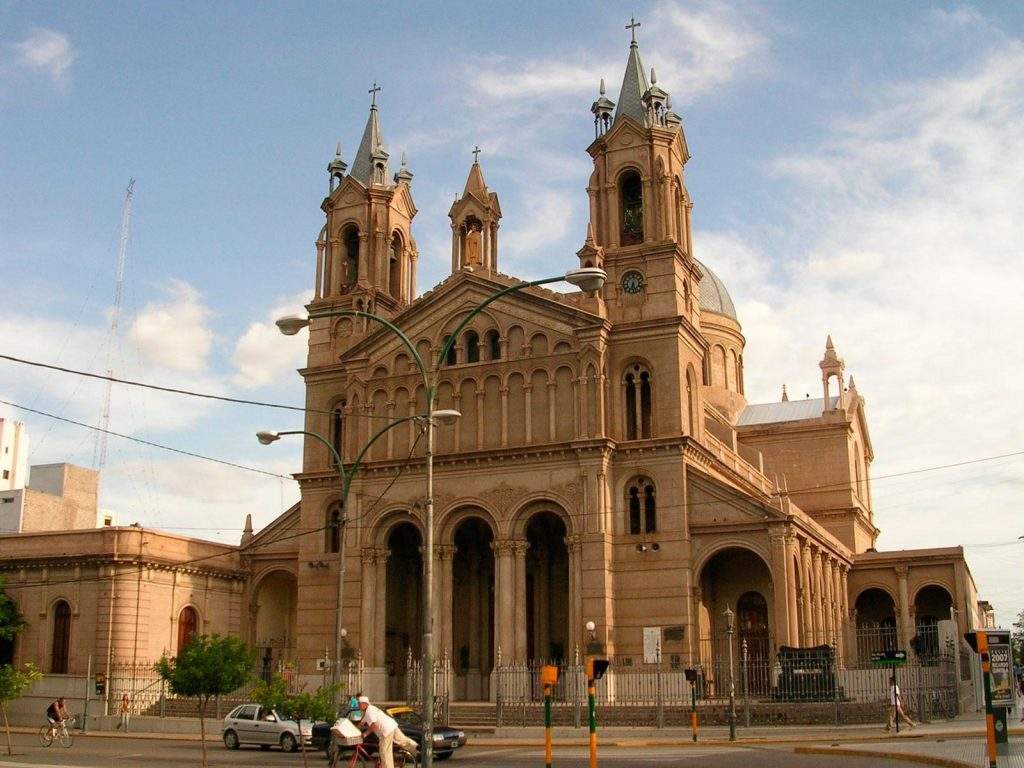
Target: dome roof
(713,295)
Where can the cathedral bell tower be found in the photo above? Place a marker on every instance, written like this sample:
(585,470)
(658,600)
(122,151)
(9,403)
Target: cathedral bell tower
(639,228)
(475,217)
(366,255)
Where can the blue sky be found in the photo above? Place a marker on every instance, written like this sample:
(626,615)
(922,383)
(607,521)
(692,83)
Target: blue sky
(856,171)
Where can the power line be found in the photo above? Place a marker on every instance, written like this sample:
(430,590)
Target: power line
(147,442)
(243,550)
(174,390)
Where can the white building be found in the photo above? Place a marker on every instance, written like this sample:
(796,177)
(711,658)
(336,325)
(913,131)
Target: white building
(13,455)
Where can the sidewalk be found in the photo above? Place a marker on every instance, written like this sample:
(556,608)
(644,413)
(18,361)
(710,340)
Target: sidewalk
(953,753)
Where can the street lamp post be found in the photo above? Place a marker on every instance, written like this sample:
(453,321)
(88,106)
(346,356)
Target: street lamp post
(587,279)
(730,630)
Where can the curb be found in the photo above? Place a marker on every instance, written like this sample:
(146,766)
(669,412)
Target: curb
(907,757)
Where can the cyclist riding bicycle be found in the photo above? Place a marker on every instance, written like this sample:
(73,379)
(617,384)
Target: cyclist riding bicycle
(56,714)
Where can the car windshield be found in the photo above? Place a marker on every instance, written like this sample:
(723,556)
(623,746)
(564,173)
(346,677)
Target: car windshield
(408,718)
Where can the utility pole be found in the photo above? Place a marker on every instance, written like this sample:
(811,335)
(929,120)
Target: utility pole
(99,456)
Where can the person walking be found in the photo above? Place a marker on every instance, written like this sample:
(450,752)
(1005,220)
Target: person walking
(896,707)
(125,710)
(388,733)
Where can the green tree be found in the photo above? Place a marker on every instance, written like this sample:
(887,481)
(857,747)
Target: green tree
(210,665)
(298,705)
(11,620)
(1017,640)
(13,682)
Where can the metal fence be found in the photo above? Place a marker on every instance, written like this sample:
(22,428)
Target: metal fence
(798,685)
(442,685)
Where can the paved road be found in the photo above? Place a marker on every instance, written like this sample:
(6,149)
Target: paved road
(93,752)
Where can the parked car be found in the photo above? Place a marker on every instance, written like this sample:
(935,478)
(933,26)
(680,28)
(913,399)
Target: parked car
(446,740)
(253,724)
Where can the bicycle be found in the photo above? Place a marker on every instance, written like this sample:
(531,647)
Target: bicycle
(363,758)
(58,731)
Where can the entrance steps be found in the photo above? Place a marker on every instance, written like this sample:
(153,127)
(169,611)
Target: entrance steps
(473,714)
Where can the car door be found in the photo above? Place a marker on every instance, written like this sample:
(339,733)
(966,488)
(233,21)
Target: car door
(243,724)
(265,731)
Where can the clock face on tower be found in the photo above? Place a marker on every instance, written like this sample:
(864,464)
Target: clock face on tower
(632,282)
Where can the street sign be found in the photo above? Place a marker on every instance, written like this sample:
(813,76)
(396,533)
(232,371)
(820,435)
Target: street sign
(889,658)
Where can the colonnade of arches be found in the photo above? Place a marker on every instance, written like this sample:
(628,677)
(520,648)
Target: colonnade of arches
(882,621)
(510,596)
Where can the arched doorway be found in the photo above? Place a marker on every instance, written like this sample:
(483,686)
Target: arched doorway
(547,588)
(188,626)
(274,626)
(932,604)
(738,580)
(61,649)
(875,612)
(403,619)
(472,609)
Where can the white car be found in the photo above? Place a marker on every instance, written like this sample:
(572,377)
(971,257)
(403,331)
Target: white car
(253,724)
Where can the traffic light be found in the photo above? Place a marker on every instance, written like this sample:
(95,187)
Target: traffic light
(596,668)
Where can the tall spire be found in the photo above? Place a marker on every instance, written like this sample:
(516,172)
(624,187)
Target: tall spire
(371,150)
(634,82)
(475,181)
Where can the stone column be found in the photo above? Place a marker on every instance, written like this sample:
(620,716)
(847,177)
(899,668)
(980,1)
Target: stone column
(819,613)
(367,575)
(413,258)
(574,544)
(503,591)
(473,618)
(519,549)
(792,587)
(318,288)
(837,610)
(443,630)
(363,256)
(389,406)
(551,410)
(504,416)
(480,417)
(830,613)
(380,614)
(906,626)
(528,412)
(780,585)
(805,561)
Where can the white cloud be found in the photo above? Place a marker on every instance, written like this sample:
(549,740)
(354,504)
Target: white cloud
(905,246)
(712,43)
(263,355)
(174,333)
(47,51)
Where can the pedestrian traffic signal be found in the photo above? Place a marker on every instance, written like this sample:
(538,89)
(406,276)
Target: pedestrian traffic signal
(596,668)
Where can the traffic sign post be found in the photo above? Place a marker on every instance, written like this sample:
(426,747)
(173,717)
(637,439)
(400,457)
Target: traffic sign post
(691,678)
(595,671)
(893,660)
(548,678)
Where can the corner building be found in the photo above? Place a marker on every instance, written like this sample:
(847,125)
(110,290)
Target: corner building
(606,467)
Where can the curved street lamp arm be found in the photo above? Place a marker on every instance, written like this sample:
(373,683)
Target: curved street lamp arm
(487,302)
(358,459)
(387,324)
(325,441)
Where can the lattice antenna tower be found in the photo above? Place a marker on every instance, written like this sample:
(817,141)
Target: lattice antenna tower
(99,456)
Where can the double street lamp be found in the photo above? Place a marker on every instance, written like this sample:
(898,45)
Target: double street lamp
(588,280)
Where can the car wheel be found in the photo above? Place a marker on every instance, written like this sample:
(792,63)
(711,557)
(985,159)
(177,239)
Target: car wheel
(288,742)
(264,747)
(443,755)
(230,739)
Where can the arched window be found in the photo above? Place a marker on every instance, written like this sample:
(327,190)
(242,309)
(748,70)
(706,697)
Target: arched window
(338,431)
(350,241)
(638,403)
(642,507)
(631,203)
(450,358)
(332,531)
(494,344)
(395,266)
(61,650)
(188,627)
(472,341)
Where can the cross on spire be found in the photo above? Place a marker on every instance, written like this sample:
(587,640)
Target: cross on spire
(633,24)
(476,154)
(373,94)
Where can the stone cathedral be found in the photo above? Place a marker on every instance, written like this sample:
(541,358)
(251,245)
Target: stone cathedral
(606,467)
